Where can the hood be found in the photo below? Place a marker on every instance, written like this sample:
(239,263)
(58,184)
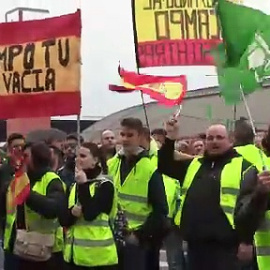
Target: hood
(138,151)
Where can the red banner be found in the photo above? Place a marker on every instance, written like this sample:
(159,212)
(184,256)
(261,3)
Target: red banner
(40,67)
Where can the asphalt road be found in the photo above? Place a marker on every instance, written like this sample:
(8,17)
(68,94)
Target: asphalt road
(1,259)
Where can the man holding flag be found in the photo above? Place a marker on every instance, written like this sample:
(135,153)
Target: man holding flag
(210,185)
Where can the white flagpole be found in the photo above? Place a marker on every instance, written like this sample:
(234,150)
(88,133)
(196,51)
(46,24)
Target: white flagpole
(79,6)
(248,111)
(252,125)
(178,112)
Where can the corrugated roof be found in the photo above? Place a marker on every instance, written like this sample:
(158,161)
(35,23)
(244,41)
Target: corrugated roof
(194,113)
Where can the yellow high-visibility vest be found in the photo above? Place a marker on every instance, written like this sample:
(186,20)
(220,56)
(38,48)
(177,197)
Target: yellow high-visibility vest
(229,186)
(34,221)
(133,194)
(91,243)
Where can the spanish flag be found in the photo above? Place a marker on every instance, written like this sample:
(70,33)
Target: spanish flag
(18,191)
(166,90)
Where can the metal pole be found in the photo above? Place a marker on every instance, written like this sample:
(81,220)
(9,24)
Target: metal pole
(79,129)
(234,114)
(248,112)
(143,104)
(252,125)
(144,109)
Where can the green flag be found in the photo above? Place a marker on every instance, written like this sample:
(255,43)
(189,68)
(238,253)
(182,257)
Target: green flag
(243,58)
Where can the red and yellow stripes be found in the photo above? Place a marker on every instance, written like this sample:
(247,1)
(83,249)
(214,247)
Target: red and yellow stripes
(40,67)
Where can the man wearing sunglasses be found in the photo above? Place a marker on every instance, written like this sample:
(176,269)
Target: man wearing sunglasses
(210,185)
(67,171)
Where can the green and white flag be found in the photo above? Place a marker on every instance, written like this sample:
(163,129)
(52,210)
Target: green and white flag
(257,56)
(243,58)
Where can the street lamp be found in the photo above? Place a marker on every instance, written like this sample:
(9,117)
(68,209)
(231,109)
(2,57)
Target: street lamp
(21,12)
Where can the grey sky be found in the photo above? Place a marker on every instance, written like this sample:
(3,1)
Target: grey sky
(107,38)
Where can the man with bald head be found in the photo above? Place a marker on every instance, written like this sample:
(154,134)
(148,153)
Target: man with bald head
(108,148)
(210,185)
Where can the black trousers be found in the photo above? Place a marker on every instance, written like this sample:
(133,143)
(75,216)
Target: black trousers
(206,256)
(152,257)
(30,265)
(132,257)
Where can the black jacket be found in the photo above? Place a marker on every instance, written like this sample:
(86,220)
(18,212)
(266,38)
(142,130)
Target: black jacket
(51,206)
(67,172)
(6,175)
(251,206)
(203,219)
(92,206)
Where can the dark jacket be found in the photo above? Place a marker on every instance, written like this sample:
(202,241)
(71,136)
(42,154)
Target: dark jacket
(155,226)
(6,175)
(51,206)
(105,155)
(67,172)
(203,219)
(251,206)
(92,206)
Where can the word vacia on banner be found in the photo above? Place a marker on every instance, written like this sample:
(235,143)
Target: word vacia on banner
(40,67)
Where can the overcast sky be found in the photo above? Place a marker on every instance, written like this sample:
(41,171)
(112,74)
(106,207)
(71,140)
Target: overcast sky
(107,38)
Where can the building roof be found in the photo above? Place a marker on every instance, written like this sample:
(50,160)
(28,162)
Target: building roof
(195,113)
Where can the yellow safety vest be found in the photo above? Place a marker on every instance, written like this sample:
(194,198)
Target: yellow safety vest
(59,240)
(33,221)
(91,243)
(133,194)
(172,190)
(262,243)
(59,235)
(229,186)
(252,154)
(262,238)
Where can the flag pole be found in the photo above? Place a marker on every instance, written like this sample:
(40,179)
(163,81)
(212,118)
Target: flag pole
(252,124)
(144,109)
(248,111)
(234,114)
(178,112)
(137,60)
(79,129)
(143,104)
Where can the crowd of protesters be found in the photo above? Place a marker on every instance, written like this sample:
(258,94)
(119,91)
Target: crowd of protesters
(204,200)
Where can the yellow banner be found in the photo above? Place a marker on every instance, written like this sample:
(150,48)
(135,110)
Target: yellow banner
(45,66)
(183,23)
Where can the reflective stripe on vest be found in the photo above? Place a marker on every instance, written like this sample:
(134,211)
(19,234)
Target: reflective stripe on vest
(133,193)
(33,221)
(229,186)
(262,243)
(90,243)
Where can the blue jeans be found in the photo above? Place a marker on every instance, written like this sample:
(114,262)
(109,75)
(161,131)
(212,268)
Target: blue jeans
(174,251)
